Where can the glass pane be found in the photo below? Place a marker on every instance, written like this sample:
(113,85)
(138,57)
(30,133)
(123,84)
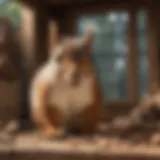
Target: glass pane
(142,52)
(110,50)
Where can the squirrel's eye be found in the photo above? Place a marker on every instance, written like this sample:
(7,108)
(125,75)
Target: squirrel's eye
(59,58)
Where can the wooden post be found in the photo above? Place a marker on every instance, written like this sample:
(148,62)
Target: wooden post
(154,70)
(34,33)
(41,47)
(27,32)
(132,58)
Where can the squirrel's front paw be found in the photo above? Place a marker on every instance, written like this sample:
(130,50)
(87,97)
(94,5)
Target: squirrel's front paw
(54,133)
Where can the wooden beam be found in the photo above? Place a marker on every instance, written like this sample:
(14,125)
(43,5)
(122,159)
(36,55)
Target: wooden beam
(41,31)
(62,2)
(132,58)
(154,70)
(34,21)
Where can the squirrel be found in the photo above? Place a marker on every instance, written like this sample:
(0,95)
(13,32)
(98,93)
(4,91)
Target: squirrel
(65,91)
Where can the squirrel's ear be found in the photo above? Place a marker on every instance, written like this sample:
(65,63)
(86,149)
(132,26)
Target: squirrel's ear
(89,35)
(53,35)
(88,38)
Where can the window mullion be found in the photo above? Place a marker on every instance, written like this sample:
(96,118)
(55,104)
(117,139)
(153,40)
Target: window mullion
(132,58)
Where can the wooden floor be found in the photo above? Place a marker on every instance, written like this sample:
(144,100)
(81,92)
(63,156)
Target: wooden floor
(29,146)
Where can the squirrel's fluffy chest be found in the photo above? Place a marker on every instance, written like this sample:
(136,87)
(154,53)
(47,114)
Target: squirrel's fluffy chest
(66,98)
(73,98)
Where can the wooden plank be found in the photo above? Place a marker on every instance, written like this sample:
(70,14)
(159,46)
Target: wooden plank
(29,146)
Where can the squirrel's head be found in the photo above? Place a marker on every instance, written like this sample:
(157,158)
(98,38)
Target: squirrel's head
(73,56)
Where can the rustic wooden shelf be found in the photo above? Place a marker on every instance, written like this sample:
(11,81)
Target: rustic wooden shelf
(29,146)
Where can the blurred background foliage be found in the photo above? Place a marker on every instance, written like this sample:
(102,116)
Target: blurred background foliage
(10,9)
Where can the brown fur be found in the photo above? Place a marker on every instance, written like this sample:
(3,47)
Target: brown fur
(91,115)
(47,114)
(49,118)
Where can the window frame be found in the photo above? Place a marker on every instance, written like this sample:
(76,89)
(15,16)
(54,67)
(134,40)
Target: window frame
(132,61)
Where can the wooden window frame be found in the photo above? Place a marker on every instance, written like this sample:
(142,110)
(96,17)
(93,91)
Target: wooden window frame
(132,99)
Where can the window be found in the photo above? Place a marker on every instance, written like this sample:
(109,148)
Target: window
(110,51)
